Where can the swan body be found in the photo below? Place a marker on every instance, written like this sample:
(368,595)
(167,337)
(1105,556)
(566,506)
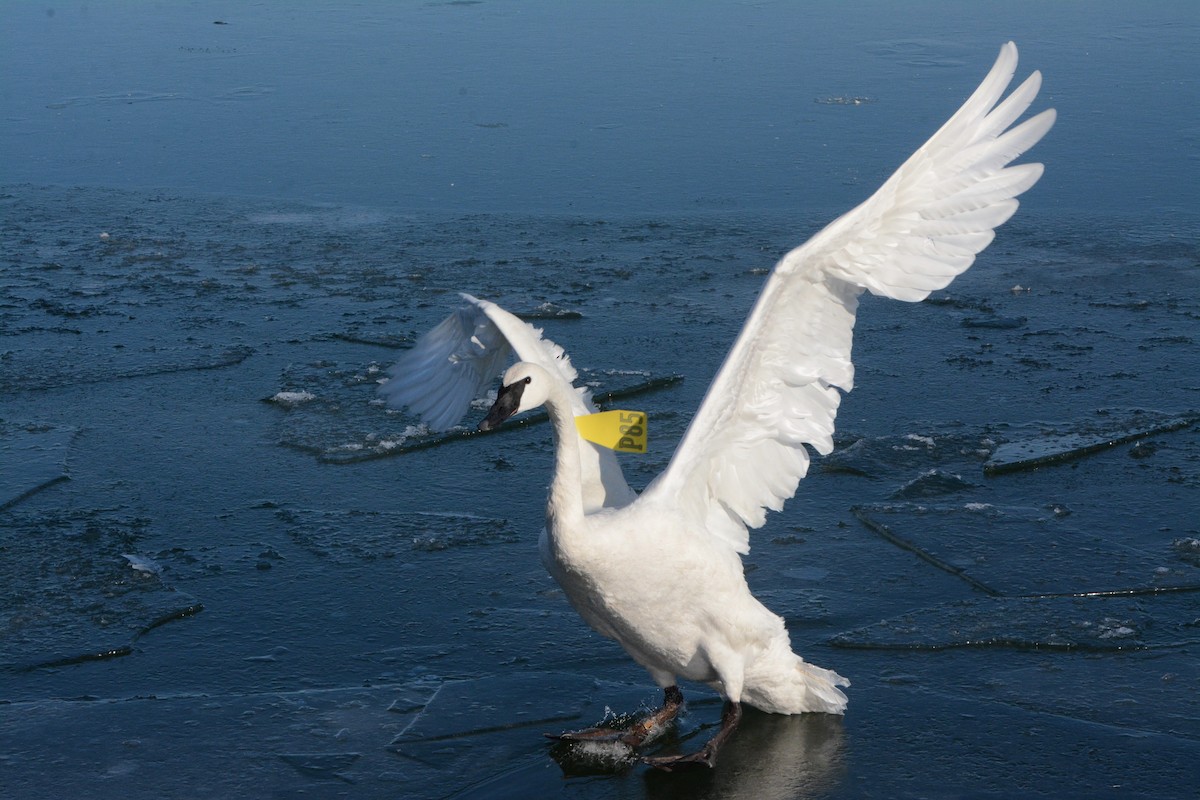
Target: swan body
(661,573)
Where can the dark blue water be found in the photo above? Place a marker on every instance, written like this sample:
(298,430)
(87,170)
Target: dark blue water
(210,588)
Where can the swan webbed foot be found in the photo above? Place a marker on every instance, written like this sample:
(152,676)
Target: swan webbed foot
(637,734)
(706,756)
(652,724)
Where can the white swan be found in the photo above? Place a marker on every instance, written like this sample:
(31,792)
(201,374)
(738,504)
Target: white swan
(661,572)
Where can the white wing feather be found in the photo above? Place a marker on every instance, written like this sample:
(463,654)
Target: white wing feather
(447,368)
(457,361)
(778,389)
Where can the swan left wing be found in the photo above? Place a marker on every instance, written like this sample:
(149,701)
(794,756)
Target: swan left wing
(457,361)
(779,388)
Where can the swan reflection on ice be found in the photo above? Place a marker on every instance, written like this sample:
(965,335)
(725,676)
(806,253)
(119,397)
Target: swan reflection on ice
(661,572)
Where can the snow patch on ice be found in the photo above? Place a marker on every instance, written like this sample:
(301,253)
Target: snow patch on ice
(142,564)
(1188,548)
(486,402)
(292,399)
(392,442)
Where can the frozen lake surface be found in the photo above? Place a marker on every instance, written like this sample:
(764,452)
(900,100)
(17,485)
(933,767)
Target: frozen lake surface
(227,570)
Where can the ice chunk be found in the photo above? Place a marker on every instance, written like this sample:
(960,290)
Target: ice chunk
(772,757)
(322,765)
(498,702)
(843,100)
(1188,549)
(1021,551)
(933,483)
(910,454)
(599,757)
(1054,447)
(290,399)
(142,564)
(548,311)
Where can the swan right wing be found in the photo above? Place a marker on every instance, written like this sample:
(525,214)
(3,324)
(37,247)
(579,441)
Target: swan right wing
(778,390)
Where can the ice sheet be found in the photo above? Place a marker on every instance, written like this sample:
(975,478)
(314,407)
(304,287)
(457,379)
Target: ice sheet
(1051,623)
(339,577)
(41,368)
(70,593)
(32,457)
(354,536)
(298,742)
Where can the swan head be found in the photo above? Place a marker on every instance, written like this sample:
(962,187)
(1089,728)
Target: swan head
(524,386)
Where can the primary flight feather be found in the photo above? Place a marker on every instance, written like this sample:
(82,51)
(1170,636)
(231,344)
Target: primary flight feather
(661,572)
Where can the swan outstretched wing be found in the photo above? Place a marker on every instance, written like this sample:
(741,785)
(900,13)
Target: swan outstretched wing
(457,361)
(778,389)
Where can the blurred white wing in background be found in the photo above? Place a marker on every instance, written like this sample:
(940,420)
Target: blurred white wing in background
(460,359)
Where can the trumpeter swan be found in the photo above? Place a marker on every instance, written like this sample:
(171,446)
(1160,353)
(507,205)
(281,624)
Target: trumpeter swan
(661,572)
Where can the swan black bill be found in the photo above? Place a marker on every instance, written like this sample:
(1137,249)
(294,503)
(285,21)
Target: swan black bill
(508,400)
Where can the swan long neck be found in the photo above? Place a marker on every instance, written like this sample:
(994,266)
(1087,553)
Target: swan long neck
(564,506)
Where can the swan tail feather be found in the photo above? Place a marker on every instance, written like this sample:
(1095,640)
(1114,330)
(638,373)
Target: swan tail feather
(784,683)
